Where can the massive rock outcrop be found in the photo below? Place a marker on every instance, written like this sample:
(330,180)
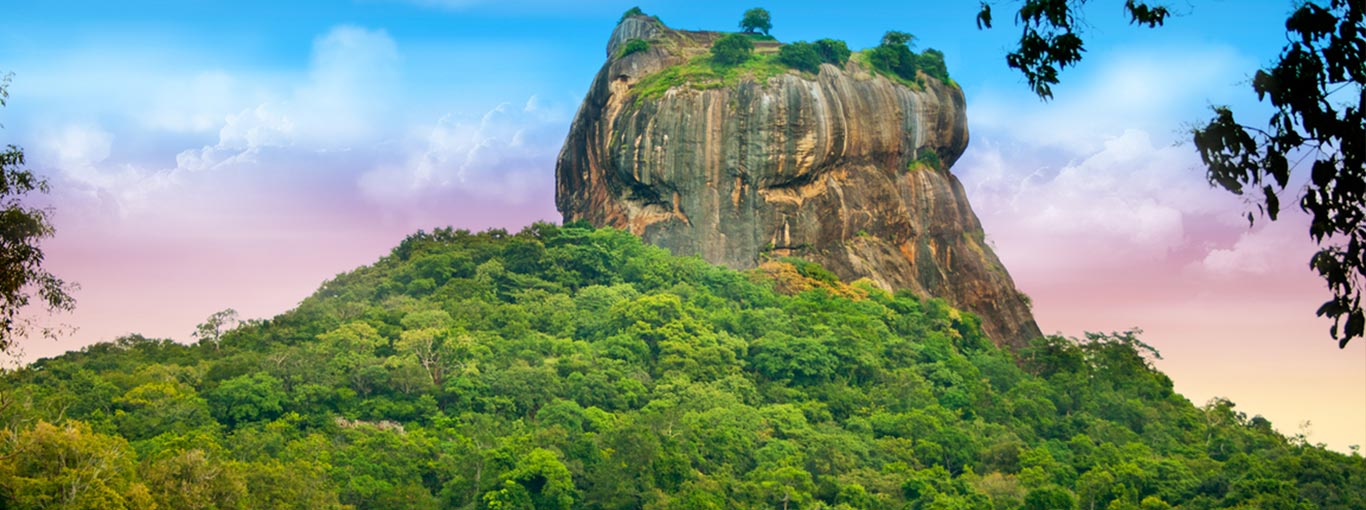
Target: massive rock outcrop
(834,168)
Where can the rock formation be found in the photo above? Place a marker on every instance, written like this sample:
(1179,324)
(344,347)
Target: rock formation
(835,168)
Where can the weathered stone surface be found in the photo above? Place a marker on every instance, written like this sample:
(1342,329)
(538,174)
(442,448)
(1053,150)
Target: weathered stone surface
(809,167)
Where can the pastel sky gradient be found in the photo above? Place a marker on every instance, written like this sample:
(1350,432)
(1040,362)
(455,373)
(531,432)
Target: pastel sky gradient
(214,154)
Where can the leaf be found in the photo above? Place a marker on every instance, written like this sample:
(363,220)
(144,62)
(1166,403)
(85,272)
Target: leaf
(1277,166)
(1311,22)
(1323,173)
(1273,204)
(984,17)
(1356,325)
(1330,308)
(1140,13)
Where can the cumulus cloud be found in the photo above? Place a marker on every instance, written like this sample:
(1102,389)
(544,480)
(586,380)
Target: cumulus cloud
(75,148)
(338,135)
(195,102)
(1272,247)
(1100,180)
(1155,91)
(1129,201)
(351,82)
(509,152)
(178,130)
(241,138)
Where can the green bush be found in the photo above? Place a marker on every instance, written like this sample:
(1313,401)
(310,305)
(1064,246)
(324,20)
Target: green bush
(929,158)
(897,38)
(894,57)
(634,11)
(932,63)
(1050,498)
(733,49)
(801,56)
(833,51)
(633,46)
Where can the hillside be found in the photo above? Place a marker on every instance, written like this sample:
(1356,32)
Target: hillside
(568,367)
(842,158)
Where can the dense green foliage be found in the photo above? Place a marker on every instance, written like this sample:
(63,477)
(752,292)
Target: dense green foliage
(633,46)
(634,11)
(805,56)
(894,58)
(927,159)
(731,49)
(702,73)
(566,367)
(801,56)
(756,20)
(833,51)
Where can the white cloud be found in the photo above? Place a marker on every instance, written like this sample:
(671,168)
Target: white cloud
(79,154)
(1127,201)
(159,90)
(193,103)
(1100,179)
(1270,248)
(1156,90)
(342,101)
(351,82)
(242,136)
(77,147)
(508,152)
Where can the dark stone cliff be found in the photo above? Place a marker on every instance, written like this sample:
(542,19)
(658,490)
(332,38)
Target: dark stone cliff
(824,168)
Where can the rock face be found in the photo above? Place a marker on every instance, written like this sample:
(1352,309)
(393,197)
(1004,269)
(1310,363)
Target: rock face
(827,168)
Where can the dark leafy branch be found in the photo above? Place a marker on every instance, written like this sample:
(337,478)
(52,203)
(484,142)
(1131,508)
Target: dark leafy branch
(1316,88)
(1313,85)
(1049,38)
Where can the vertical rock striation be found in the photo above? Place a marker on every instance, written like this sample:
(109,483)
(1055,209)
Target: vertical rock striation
(832,168)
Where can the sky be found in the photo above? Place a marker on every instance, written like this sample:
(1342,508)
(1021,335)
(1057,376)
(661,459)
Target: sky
(212,154)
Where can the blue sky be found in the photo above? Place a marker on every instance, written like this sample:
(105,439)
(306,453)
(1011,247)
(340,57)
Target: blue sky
(210,154)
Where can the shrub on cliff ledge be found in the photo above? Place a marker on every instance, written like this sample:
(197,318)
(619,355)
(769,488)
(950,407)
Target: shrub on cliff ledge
(833,51)
(634,11)
(931,61)
(894,58)
(801,56)
(894,55)
(733,49)
(633,46)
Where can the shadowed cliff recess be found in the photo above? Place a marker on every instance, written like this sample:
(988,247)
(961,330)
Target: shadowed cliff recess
(742,164)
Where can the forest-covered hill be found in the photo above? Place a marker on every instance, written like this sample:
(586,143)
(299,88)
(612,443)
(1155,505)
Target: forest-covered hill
(567,367)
